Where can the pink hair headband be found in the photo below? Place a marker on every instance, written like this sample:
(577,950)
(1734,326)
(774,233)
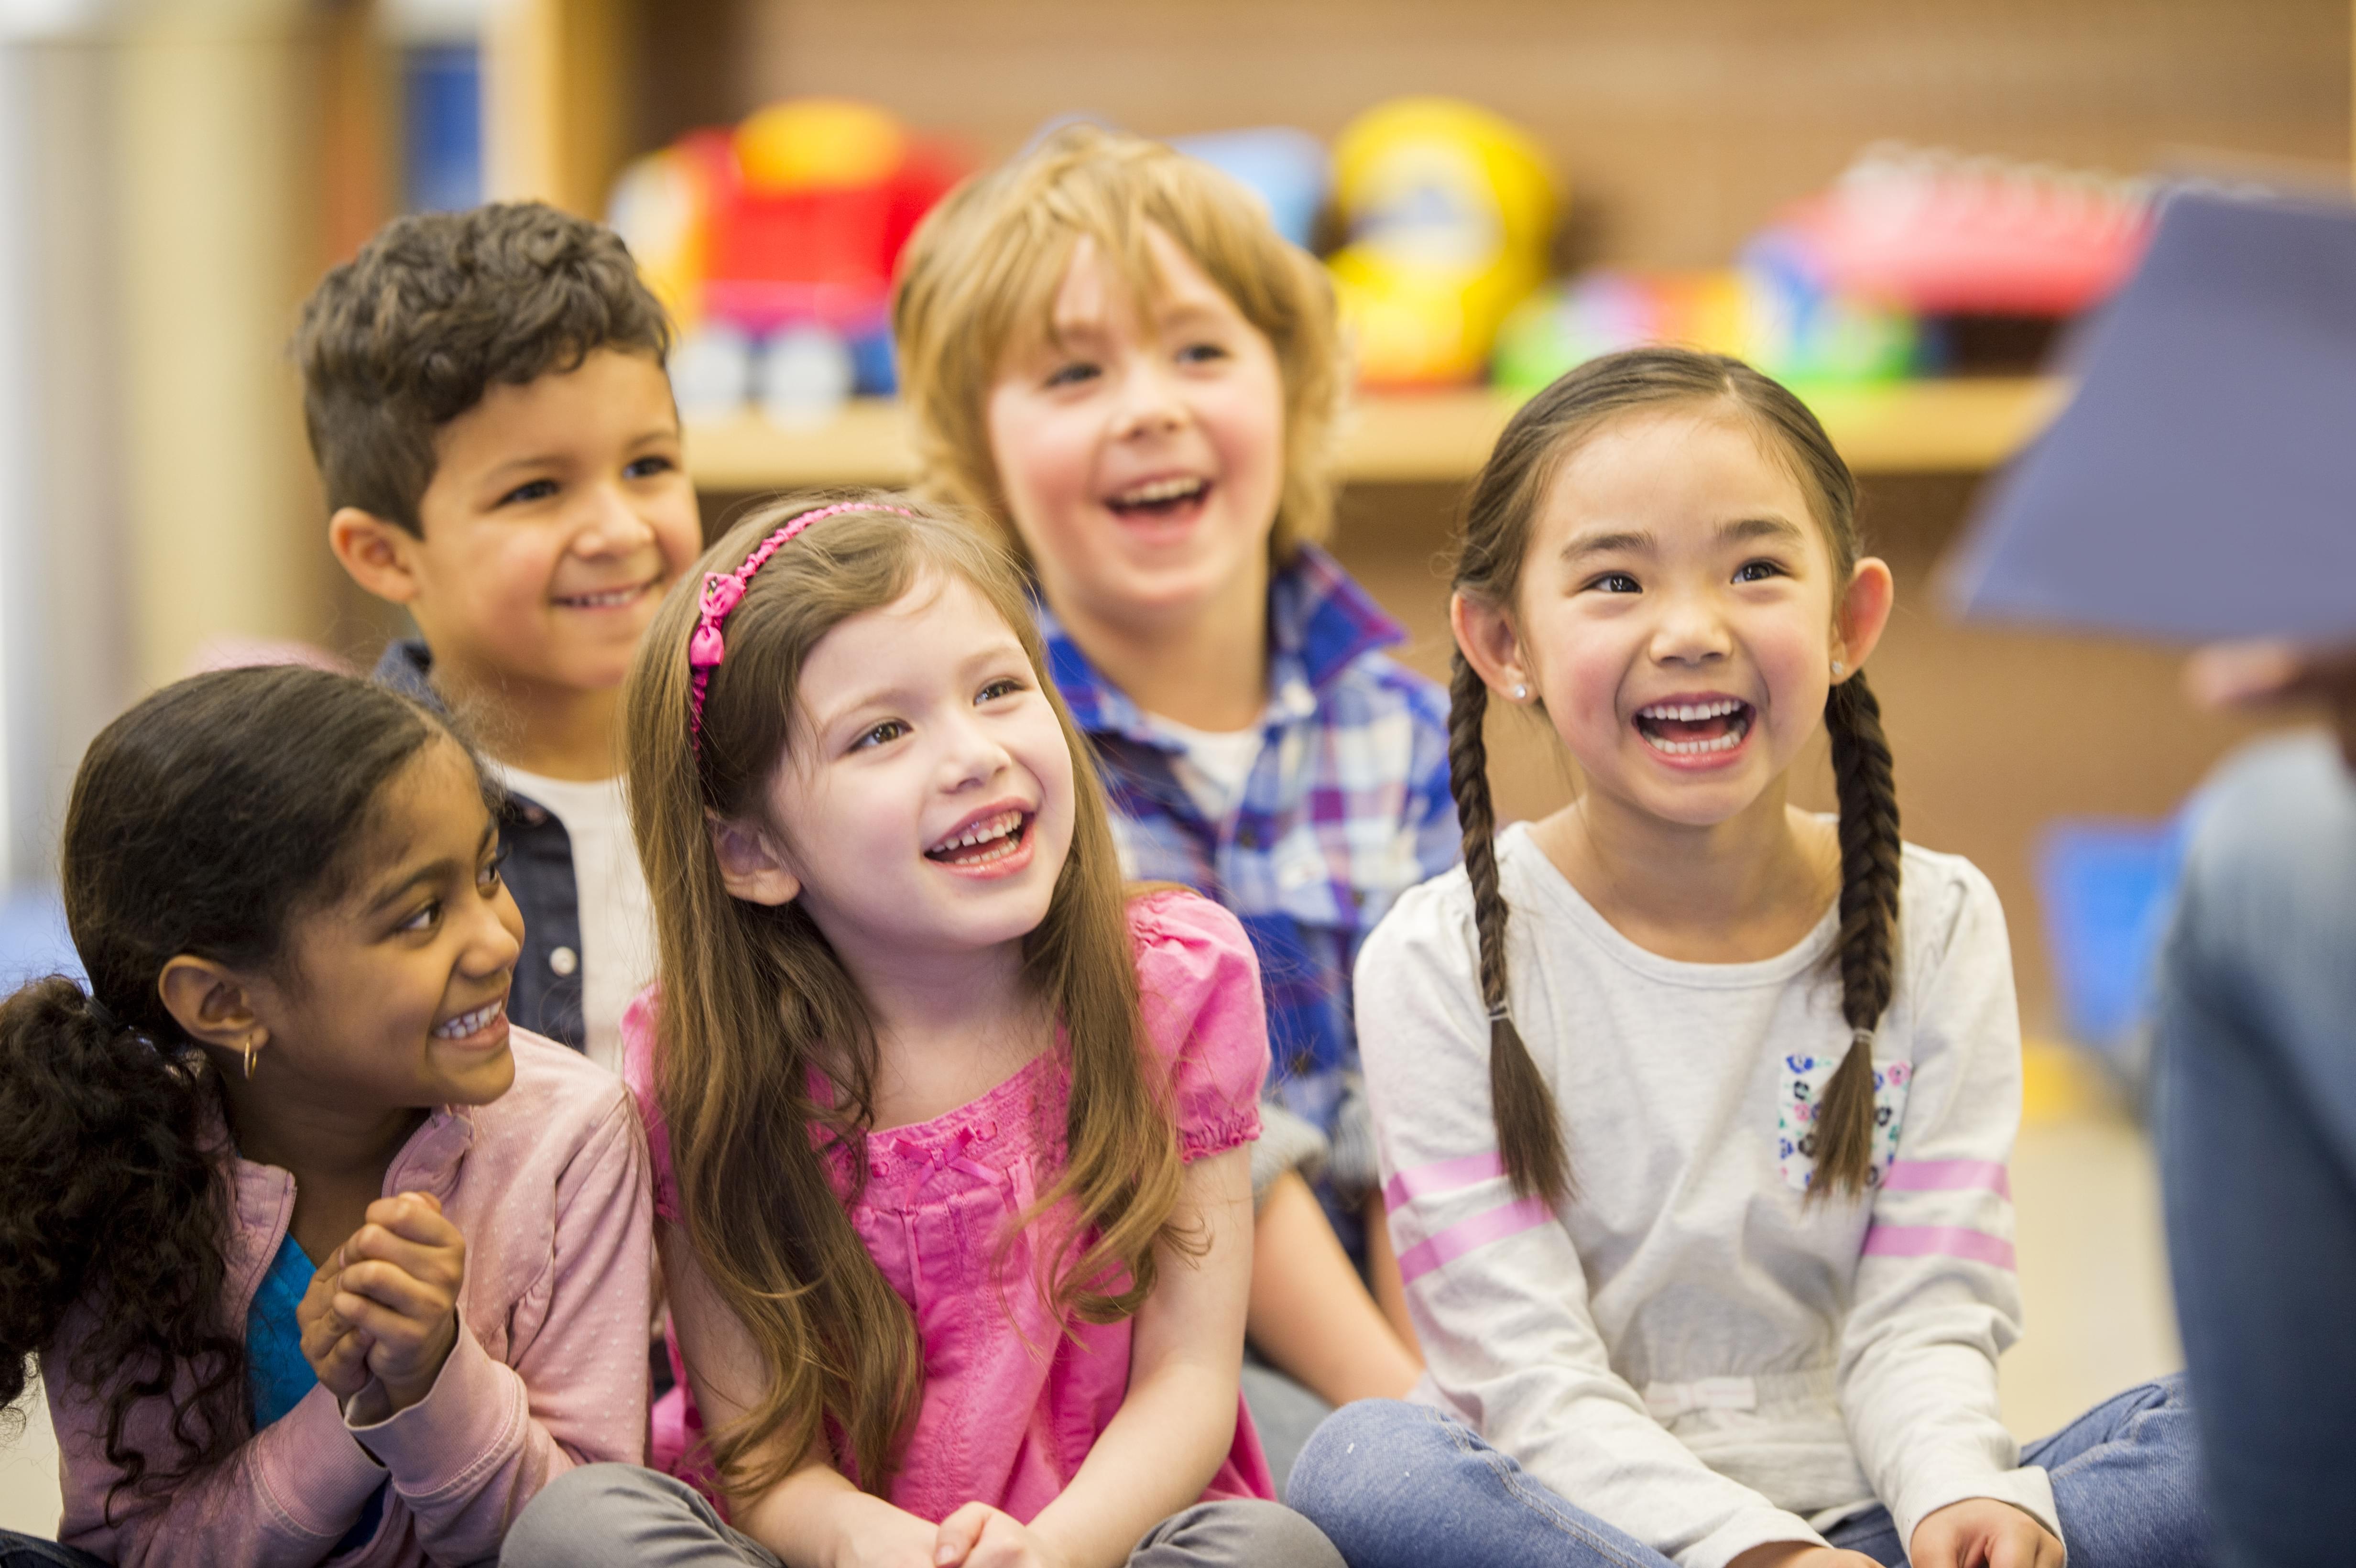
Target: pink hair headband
(723,591)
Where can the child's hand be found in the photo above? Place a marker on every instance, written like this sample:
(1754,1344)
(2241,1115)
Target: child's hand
(400,1283)
(337,1352)
(875,1534)
(1981,1532)
(980,1536)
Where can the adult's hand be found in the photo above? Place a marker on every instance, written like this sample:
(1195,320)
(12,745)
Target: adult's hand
(2267,672)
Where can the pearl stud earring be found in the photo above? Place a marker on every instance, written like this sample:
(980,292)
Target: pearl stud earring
(1838,667)
(1521,694)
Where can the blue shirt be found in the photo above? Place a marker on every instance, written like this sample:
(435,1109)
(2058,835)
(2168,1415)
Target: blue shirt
(1346,808)
(275,1370)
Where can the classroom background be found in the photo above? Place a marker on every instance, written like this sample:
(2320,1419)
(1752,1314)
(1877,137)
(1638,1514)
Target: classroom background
(1902,206)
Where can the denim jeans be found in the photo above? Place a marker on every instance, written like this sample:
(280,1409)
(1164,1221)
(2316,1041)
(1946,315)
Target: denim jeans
(2256,1114)
(33,1552)
(2122,1475)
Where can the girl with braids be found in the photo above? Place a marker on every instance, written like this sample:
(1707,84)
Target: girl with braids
(950,1127)
(1694,1108)
(321,1258)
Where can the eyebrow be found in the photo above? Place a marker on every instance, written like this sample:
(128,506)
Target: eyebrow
(433,872)
(884,696)
(1641,542)
(556,460)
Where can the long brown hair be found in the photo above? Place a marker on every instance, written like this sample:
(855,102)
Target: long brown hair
(754,1000)
(1505,500)
(981,273)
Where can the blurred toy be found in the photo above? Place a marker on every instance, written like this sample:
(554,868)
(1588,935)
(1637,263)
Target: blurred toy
(1937,232)
(1772,311)
(1450,211)
(1288,169)
(789,224)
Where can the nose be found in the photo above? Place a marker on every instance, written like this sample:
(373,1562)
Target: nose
(611,524)
(493,936)
(971,756)
(1150,401)
(1690,629)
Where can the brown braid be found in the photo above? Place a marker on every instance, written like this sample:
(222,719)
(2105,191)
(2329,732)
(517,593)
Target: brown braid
(1528,1138)
(1506,499)
(1868,923)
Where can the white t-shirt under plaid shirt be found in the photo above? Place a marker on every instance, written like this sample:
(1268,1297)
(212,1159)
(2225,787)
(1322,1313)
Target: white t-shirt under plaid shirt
(1688,1349)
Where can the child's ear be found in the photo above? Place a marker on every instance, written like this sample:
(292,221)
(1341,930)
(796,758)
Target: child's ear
(211,1005)
(750,865)
(1863,613)
(1490,644)
(379,554)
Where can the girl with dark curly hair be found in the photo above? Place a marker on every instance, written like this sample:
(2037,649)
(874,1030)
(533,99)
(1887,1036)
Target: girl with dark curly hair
(319,1256)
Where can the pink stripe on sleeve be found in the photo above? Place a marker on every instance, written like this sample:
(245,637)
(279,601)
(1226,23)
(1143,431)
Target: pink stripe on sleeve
(1468,1235)
(1935,1241)
(1441,1176)
(1948,1175)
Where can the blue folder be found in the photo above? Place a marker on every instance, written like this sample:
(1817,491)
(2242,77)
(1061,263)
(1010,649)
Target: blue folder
(2201,484)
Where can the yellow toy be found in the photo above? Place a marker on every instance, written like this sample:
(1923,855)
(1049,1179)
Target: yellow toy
(1451,213)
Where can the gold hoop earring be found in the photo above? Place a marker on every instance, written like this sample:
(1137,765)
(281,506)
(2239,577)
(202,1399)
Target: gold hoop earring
(248,1056)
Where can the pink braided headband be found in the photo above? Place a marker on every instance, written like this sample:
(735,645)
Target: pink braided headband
(723,591)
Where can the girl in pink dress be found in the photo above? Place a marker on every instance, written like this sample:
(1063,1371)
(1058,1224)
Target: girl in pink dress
(950,1127)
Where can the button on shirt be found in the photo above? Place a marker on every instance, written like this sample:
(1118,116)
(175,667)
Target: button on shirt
(1345,807)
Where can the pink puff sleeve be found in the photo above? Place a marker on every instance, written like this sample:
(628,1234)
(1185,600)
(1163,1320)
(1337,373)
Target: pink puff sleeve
(639,1072)
(1198,982)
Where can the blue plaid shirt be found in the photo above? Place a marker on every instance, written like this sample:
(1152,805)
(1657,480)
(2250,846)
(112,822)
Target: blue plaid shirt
(1346,808)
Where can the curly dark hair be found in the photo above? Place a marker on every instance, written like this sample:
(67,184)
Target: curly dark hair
(206,820)
(436,308)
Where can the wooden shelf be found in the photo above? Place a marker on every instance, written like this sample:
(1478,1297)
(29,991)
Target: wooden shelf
(1913,427)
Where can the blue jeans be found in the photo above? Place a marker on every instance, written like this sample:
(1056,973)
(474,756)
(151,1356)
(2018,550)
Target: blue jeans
(2256,1114)
(32,1551)
(2121,1482)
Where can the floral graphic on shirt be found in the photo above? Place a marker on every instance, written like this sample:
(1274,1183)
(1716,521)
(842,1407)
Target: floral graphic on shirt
(1804,1076)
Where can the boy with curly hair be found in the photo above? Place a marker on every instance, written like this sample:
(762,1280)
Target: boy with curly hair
(486,399)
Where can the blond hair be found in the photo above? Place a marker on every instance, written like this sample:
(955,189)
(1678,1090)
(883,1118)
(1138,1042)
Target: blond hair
(982,269)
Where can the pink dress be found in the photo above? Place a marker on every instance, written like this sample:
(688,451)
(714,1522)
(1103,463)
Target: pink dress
(1013,1397)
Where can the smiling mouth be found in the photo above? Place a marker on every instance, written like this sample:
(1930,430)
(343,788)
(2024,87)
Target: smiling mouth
(1695,729)
(610,599)
(991,839)
(472,1023)
(1159,497)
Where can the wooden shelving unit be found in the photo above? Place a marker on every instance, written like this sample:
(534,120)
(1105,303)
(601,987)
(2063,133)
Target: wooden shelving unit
(1912,427)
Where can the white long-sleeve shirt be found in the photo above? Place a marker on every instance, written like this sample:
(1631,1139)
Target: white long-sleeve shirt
(1686,1349)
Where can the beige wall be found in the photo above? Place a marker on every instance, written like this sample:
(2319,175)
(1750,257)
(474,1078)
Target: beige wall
(214,229)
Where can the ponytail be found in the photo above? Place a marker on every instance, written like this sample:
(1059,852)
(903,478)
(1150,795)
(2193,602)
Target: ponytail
(1529,1140)
(203,821)
(1868,923)
(108,1191)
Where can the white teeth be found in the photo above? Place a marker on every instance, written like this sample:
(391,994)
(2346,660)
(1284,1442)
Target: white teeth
(1158,490)
(1690,712)
(606,600)
(465,1024)
(1725,742)
(982,832)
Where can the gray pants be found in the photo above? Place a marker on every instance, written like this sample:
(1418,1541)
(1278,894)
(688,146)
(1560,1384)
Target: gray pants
(619,1516)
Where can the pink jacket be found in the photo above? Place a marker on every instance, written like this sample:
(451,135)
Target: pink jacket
(548,1183)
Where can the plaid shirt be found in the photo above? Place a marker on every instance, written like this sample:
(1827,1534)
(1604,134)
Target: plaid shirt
(1346,809)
